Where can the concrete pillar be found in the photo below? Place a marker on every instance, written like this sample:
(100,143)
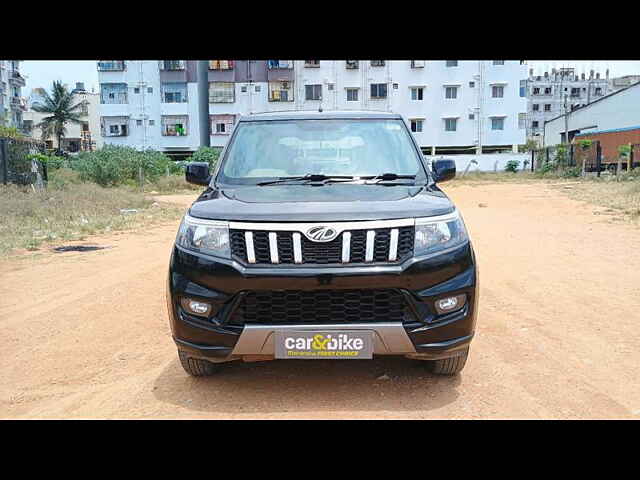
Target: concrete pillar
(433,150)
(515,148)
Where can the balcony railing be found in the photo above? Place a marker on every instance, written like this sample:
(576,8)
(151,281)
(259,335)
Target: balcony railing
(17,78)
(172,65)
(111,66)
(279,64)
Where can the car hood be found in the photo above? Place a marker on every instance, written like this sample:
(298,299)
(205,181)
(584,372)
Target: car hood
(332,202)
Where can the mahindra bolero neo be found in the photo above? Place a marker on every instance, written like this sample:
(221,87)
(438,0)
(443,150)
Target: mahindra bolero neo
(322,235)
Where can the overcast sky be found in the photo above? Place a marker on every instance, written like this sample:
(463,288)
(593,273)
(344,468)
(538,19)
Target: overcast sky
(43,73)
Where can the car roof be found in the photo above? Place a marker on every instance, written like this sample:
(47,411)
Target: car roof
(319,115)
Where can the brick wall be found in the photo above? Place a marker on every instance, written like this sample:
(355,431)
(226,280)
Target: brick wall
(609,141)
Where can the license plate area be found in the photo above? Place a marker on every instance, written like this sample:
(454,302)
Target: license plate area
(324,344)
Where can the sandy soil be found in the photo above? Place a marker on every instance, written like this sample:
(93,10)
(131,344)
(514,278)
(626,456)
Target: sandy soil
(85,335)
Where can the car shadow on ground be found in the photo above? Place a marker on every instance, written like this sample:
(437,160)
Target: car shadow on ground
(385,383)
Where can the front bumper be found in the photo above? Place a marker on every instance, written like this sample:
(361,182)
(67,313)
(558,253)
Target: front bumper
(423,333)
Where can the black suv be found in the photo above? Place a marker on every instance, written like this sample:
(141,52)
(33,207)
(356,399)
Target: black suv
(322,235)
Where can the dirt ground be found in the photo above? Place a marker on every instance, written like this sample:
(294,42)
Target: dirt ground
(85,335)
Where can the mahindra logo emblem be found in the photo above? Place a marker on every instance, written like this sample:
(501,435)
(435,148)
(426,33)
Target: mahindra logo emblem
(321,234)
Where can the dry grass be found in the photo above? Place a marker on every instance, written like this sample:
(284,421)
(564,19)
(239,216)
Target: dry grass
(29,219)
(173,184)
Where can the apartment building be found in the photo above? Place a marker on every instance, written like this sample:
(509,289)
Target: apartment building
(85,136)
(549,94)
(12,105)
(451,106)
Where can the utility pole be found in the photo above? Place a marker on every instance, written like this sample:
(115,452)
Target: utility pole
(566,121)
(203,103)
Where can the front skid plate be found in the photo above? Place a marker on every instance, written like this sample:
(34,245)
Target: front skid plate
(388,339)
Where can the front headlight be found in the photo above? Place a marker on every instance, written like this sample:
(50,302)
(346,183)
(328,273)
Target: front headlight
(204,236)
(439,233)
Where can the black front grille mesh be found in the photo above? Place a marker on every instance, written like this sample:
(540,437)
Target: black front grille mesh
(320,307)
(318,253)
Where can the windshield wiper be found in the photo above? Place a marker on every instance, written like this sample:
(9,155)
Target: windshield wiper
(387,177)
(310,177)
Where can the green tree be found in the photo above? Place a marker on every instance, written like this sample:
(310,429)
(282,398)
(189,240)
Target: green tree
(59,104)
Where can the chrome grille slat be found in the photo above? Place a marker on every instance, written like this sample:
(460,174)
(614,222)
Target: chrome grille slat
(346,247)
(368,255)
(393,246)
(251,253)
(273,247)
(297,248)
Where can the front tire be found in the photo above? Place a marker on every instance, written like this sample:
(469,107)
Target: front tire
(449,366)
(197,367)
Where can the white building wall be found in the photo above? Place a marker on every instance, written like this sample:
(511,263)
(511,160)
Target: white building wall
(618,110)
(434,76)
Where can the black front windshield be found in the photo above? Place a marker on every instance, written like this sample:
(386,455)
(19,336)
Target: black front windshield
(263,151)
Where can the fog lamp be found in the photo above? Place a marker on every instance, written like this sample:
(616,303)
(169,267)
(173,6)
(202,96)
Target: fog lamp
(449,304)
(194,306)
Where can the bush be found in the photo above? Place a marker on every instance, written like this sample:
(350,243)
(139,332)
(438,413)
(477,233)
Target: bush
(572,172)
(206,154)
(512,166)
(62,178)
(52,162)
(115,165)
(548,167)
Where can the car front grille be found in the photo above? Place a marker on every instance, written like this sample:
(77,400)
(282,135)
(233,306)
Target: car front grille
(323,253)
(281,307)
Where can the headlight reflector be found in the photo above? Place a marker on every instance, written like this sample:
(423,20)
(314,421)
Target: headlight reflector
(439,233)
(204,236)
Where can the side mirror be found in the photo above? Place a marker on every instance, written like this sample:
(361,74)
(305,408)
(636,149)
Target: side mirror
(197,173)
(444,170)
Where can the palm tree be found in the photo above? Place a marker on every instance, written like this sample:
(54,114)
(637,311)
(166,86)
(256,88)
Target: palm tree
(60,105)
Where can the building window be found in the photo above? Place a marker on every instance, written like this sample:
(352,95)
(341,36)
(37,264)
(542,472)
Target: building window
(281,91)
(523,88)
(451,92)
(534,124)
(450,124)
(136,90)
(535,107)
(472,84)
(395,86)
(220,64)
(256,89)
(313,92)
(352,64)
(222,92)
(377,63)
(243,89)
(497,91)
(152,123)
(114,126)
(175,125)
(547,91)
(452,63)
(547,107)
(150,90)
(378,90)
(472,116)
(598,91)
(113,93)
(330,86)
(138,123)
(417,93)
(171,65)
(278,64)
(416,125)
(497,123)
(221,124)
(498,62)
(575,92)
(417,63)
(312,63)
(522,121)
(174,92)
(352,94)
(111,65)
(536,91)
